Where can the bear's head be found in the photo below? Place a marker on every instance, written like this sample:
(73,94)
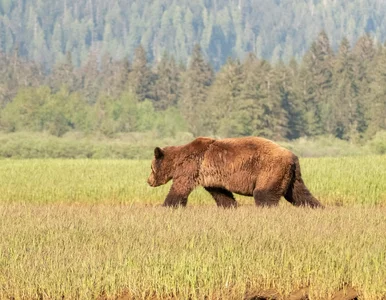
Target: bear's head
(161,167)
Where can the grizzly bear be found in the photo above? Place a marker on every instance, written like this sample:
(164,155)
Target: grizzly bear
(249,166)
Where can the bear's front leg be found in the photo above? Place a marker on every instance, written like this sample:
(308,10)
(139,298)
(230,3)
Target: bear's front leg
(179,193)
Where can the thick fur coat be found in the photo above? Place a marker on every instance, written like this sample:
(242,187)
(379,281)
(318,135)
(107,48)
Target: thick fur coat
(249,166)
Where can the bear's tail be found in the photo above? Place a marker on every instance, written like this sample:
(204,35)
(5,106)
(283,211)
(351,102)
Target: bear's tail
(297,192)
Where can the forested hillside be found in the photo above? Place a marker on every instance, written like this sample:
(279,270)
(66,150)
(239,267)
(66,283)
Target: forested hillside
(340,93)
(45,30)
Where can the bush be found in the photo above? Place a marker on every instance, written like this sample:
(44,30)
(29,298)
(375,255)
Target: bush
(378,143)
(24,145)
(323,146)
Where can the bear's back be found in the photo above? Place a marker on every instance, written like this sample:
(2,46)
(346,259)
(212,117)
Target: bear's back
(247,146)
(219,153)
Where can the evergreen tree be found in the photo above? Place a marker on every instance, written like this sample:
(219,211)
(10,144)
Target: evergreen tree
(364,49)
(4,79)
(307,92)
(57,44)
(115,75)
(141,77)
(295,107)
(16,73)
(253,95)
(364,57)
(316,77)
(323,75)
(107,71)
(167,83)
(196,82)
(279,96)
(223,115)
(118,81)
(64,75)
(376,112)
(91,79)
(345,106)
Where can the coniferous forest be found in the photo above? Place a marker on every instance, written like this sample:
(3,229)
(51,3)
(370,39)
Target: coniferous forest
(340,93)
(216,68)
(45,30)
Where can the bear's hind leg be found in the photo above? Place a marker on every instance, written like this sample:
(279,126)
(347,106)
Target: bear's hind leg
(223,197)
(266,198)
(272,183)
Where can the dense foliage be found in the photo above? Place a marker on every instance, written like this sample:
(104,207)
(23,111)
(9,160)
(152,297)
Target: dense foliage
(340,93)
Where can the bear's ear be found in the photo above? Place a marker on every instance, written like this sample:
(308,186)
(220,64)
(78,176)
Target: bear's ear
(158,153)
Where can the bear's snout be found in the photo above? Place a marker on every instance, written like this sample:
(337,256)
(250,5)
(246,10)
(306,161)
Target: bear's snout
(150,181)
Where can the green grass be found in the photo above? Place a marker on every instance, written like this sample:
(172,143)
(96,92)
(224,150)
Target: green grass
(81,229)
(335,181)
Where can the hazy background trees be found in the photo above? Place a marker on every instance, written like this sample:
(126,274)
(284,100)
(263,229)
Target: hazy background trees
(46,30)
(339,93)
(211,67)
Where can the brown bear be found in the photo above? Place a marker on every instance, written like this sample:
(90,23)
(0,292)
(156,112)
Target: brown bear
(249,166)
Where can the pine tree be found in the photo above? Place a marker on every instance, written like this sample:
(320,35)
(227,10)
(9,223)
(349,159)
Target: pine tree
(376,112)
(295,107)
(345,106)
(189,30)
(64,75)
(57,45)
(3,31)
(316,77)
(16,73)
(120,76)
(196,82)
(223,115)
(107,74)
(166,87)
(115,75)
(141,78)
(4,79)
(364,58)
(323,76)
(91,79)
(253,95)
(307,92)
(279,95)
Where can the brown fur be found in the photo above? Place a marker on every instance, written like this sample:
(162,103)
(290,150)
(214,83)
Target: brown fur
(249,166)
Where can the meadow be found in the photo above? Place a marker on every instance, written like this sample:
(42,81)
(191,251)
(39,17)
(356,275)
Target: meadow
(93,229)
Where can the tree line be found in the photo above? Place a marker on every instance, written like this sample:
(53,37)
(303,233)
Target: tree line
(340,93)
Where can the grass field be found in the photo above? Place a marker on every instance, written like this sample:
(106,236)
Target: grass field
(87,229)
(347,181)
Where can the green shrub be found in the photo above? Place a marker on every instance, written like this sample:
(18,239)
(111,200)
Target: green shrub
(378,143)
(140,145)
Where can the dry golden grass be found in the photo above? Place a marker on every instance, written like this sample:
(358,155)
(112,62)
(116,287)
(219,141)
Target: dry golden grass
(84,251)
(87,229)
